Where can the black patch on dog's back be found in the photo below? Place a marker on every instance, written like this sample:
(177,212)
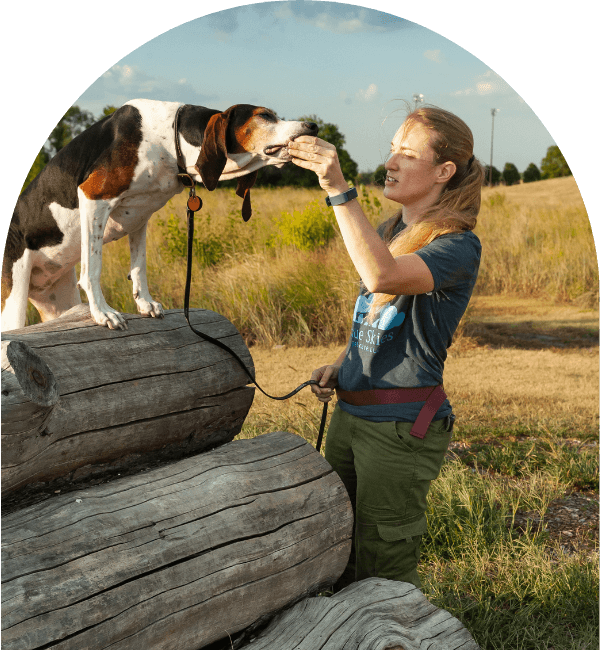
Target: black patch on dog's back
(33,225)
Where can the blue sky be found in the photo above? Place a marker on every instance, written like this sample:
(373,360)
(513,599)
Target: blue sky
(349,65)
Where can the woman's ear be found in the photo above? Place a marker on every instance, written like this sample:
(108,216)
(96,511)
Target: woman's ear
(446,171)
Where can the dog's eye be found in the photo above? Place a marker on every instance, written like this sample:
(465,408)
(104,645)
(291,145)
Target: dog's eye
(268,116)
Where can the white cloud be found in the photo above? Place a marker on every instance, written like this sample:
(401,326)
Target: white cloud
(489,83)
(369,94)
(433,55)
(124,82)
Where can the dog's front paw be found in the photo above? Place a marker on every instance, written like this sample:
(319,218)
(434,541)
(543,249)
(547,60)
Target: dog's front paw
(109,317)
(150,308)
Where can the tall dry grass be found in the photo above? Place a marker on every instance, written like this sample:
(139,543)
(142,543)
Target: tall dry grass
(537,242)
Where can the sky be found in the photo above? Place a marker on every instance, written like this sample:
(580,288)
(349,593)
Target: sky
(349,65)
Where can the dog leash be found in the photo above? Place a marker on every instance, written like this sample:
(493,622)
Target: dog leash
(194,204)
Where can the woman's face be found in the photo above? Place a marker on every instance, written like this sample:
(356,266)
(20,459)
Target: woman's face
(412,175)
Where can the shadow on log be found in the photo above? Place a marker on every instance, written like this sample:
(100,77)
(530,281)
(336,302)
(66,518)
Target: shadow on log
(368,615)
(176,557)
(151,393)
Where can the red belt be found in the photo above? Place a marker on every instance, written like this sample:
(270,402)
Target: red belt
(433,396)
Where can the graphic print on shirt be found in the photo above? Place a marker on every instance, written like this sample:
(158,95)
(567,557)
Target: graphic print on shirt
(369,336)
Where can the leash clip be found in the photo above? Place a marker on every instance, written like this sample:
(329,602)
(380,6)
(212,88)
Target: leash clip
(194,202)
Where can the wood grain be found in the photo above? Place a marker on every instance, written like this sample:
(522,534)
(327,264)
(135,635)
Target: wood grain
(153,388)
(177,557)
(373,614)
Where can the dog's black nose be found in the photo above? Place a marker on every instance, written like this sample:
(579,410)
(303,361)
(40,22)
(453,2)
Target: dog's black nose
(311,126)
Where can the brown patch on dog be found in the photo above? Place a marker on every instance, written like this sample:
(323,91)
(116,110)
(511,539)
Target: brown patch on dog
(113,177)
(247,131)
(243,137)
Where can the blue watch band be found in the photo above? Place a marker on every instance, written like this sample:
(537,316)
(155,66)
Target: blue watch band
(352,193)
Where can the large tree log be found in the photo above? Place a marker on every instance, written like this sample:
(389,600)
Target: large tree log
(29,392)
(155,390)
(373,614)
(176,557)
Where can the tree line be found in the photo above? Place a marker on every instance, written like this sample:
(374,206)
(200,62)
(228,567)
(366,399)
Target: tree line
(553,165)
(76,120)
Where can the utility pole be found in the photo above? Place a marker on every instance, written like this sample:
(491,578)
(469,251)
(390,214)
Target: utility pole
(494,111)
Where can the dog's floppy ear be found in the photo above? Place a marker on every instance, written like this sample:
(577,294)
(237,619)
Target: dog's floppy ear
(213,154)
(243,191)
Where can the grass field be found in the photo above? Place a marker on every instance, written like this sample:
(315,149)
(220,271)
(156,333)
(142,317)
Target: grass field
(512,547)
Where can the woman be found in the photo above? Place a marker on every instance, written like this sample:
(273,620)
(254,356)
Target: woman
(392,424)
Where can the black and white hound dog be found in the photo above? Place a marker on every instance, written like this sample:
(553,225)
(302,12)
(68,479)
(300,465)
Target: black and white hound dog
(108,181)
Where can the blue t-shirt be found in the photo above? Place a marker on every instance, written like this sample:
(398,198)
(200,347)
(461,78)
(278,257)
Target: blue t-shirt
(406,345)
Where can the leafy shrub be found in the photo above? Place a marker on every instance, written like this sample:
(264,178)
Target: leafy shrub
(208,248)
(307,230)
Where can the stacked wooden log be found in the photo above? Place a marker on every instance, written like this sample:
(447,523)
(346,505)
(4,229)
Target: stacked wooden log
(179,556)
(163,533)
(368,615)
(81,401)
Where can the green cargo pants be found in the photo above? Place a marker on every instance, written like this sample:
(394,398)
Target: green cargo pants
(387,473)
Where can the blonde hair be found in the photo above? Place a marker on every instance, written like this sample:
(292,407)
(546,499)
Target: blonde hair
(458,205)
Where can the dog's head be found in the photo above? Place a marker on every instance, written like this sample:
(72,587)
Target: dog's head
(241,140)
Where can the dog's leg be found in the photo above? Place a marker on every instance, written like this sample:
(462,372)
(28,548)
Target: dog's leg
(94,216)
(14,313)
(137,248)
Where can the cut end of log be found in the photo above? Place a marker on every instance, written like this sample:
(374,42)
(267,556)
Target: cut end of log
(33,375)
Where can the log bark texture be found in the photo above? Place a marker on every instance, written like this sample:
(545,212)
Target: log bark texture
(373,614)
(155,390)
(176,557)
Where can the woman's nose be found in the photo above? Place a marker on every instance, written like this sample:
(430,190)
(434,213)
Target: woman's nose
(392,162)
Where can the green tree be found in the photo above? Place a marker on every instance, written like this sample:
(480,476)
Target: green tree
(496,176)
(379,175)
(39,163)
(511,174)
(109,109)
(554,164)
(531,174)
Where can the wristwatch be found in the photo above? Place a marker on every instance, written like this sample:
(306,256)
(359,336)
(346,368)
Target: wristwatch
(338,199)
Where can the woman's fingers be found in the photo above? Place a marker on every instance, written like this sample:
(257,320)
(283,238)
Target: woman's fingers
(318,156)
(324,375)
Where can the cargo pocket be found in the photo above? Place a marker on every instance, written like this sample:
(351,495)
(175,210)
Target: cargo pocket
(395,532)
(390,549)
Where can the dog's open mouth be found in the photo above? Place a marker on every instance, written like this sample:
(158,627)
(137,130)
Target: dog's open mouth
(273,149)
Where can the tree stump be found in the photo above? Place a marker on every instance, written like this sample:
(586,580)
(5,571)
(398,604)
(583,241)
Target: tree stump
(154,391)
(373,614)
(179,556)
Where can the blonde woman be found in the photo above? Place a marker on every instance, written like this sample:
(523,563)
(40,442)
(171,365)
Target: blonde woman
(392,423)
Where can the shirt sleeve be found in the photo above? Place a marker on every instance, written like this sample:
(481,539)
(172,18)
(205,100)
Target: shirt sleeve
(453,259)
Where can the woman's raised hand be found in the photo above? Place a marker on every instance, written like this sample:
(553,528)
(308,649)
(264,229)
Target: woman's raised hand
(320,157)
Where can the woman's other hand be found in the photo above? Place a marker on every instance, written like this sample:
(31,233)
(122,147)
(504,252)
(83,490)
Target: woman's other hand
(327,378)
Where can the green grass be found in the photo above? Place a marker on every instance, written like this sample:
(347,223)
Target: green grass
(511,589)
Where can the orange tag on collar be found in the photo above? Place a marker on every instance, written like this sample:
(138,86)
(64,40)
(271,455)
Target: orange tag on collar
(194,203)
